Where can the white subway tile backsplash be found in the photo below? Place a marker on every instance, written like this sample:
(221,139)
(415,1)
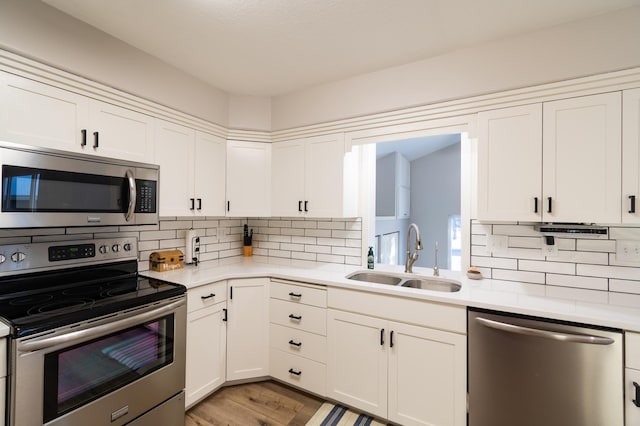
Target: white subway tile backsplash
(580,257)
(619,233)
(331,225)
(520,276)
(603,246)
(584,295)
(542,266)
(515,230)
(624,286)
(577,282)
(317,233)
(494,262)
(620,272)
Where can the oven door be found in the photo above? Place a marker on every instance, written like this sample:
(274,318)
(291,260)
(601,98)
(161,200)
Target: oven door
(109,371)
(40,188)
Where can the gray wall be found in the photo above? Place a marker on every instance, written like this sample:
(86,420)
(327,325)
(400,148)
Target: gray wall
(435,194)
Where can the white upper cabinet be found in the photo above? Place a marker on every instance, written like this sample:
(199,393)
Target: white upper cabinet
(559,161)
(510,163)
(119,133)
(41,115)
(38,114)
(631,157)
(311,177)
(248,179)
(582,159)
(192,171)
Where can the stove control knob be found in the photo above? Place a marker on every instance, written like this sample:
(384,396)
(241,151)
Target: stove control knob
(18,256)
(116,248)
(2,258)
(127,246)
(103,249)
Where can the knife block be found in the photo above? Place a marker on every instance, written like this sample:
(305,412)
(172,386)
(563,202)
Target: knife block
(247,251)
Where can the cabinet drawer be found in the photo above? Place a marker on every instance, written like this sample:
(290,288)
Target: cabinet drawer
(312,375)
(298,342)
(302,317)
(206,295)
(632,350)
(299,293)
(632,416)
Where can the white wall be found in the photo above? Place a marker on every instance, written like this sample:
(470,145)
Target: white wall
(38,31)
(435,194)
(249,112)
(596,45)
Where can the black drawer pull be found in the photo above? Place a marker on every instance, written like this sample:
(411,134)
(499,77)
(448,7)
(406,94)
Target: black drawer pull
(382,337)
(209,296)
(295,317)
(199,203)
(632,203)
(84,137)
(306,209)
(636,401)
(193,203)
(550,201)
(292,371)
(225,314)
(95,140)
(298,295)
(299,206)
(535,204)
(391,339)
(293,343)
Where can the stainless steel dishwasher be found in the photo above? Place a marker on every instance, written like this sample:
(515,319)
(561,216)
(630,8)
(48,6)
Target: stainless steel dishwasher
(526,371)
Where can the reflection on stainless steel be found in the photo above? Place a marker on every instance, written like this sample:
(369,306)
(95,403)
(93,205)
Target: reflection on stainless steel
(400,280)
(528,372)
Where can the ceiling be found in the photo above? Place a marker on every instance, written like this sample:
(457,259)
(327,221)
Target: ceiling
(274,47)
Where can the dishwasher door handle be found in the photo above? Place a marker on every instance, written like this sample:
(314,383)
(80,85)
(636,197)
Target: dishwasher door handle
(553,335)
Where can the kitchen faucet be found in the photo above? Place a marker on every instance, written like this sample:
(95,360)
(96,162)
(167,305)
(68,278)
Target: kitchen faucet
(412,257)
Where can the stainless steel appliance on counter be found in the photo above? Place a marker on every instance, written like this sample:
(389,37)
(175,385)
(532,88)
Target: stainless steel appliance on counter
(91,341)
(50,188)
(528,372)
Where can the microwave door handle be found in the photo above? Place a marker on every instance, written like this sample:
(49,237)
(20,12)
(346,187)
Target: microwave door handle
(132,195)
(553,335)
(100,330)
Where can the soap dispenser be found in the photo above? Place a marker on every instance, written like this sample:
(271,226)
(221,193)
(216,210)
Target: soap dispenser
(370,258)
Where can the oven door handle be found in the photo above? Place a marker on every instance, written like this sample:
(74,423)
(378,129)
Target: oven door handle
(132,195)
(97,331)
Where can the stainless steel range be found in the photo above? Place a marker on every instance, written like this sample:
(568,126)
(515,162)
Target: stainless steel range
(91,341)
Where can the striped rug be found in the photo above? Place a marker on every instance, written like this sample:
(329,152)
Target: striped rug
(337,415)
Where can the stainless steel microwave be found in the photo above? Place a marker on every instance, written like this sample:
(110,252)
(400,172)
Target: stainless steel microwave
(50,188)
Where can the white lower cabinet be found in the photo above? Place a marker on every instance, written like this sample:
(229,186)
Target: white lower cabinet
(297,335)
(408,374)
(206,341)
(248,328)
(632,379)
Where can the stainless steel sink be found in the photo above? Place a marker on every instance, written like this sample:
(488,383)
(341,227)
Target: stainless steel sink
(373,277)
(403,280)
(432,284)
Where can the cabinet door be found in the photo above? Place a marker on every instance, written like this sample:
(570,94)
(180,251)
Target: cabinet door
(248,179)
(287,185)
(632,411)
(248,329)
(582,159)
(631,157)
(510,163)
(206,352)
(121,133)
(174,152)
(37,114)
(357,361)
(427,376)
(324,176)
(210,174)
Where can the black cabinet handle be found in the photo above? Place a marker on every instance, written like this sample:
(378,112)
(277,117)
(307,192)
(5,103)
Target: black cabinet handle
(292,371)
(84,137)
(225,314)
(209,296)
(382,337)
(199,203)
(636,401)
(298,344)
(95,140)
(550,201)
(535,204)
(299,206)
(298,295)
(231,292)
(193,203)
(391,339)
(295,317)
(305,206)
(632,203)
(228,205)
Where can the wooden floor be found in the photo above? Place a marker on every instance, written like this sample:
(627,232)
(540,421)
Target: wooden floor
(264,403)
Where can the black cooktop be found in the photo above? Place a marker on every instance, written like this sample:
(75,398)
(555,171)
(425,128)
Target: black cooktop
(41,301)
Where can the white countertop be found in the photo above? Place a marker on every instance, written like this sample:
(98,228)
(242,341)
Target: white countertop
(528,299)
